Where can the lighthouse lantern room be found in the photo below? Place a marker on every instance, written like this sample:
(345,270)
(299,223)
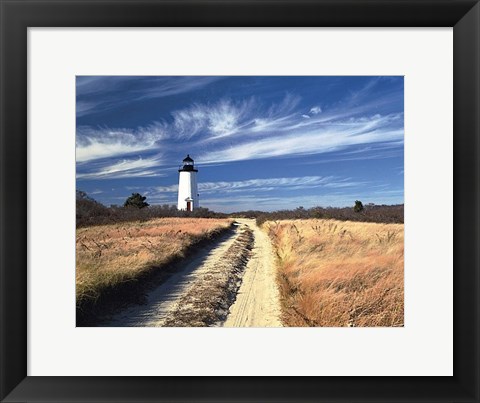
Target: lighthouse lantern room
(187,185)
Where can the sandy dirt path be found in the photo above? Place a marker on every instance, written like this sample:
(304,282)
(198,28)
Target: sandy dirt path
(257,303)
(163,300)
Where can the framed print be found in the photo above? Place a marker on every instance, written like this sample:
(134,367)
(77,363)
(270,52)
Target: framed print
(220,182)
(307,120)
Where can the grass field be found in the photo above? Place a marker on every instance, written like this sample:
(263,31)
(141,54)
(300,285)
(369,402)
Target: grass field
(339,273)
(110,255)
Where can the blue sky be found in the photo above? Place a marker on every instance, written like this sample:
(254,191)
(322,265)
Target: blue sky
(263,143)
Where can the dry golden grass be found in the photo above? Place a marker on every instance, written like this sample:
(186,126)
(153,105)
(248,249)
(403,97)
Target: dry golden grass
(110,255)
(339,273)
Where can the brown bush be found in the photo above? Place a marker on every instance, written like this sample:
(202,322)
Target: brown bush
(335,273)
(109,257)
(370,213)
(89,212)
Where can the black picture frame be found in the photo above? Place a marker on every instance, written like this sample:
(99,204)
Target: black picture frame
(17,15)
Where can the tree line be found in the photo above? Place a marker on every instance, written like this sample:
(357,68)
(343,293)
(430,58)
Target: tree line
(136,208)
(358,212)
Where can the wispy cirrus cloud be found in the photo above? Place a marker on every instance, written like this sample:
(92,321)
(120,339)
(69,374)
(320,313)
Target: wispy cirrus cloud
(217,120)
(264,184)
(228,118)
(281,131)
(148,87)
(243,131)
(313,139)
(124,168)
(202,122)
(268,184)
(93,144)
(271,203)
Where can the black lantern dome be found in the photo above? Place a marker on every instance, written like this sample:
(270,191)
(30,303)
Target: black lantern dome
(188,165)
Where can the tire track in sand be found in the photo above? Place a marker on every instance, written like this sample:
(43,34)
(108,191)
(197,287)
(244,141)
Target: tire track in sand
(164,300)
(258,301)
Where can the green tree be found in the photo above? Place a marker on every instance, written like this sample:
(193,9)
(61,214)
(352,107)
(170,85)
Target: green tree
(358,206)
(136,200)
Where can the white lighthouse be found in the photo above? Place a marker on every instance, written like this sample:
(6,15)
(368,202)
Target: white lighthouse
(187,186)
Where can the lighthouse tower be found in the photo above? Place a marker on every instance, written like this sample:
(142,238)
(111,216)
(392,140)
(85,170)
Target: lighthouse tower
(187,186)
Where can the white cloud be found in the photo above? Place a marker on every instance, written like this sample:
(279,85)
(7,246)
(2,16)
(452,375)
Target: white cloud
(357,96)
(218,120)
(83,108)
(227,119)
(288,104)
(93,144)
(267,184)
(269,203)
(125,168)
(97,149)
(167,189)
(305,142)
(147,88)
(238,130)
(160,87)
